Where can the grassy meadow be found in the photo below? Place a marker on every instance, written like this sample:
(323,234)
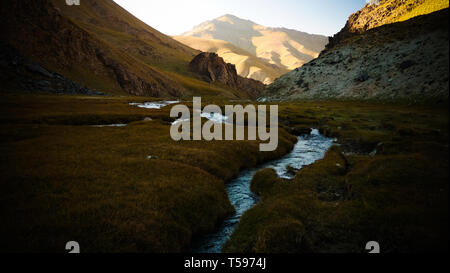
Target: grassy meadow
(134,189)
(63,179)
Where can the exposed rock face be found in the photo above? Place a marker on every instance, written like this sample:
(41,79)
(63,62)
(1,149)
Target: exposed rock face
(406,61)
(213,68)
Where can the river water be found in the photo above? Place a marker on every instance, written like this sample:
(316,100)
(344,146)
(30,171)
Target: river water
(154,104)
(308,149)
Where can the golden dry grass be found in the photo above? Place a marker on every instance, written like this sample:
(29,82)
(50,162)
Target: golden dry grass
(426,7)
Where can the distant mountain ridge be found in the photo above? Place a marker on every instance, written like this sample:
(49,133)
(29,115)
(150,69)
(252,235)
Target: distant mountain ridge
(285,48)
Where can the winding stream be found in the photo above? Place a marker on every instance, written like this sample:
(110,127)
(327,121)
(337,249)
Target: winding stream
(308,149)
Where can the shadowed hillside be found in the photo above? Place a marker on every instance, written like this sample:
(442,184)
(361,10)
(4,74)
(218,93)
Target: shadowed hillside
(101,46)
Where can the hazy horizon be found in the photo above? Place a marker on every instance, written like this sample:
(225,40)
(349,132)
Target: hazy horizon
(324,17)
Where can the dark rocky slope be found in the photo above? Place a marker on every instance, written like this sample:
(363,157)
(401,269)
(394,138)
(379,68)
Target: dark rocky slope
(405,61)
(21,75)
(42,33)
(101,46)
(214,69)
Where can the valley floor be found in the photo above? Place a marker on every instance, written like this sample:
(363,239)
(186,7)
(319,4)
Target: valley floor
(133,189)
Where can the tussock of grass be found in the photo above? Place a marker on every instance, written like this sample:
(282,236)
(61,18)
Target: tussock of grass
(263,181)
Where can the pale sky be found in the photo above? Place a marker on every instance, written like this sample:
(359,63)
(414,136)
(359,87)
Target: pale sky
(173,17)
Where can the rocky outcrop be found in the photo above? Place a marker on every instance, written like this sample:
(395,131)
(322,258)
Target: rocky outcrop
(247,64)
(213,68)
(405,61)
